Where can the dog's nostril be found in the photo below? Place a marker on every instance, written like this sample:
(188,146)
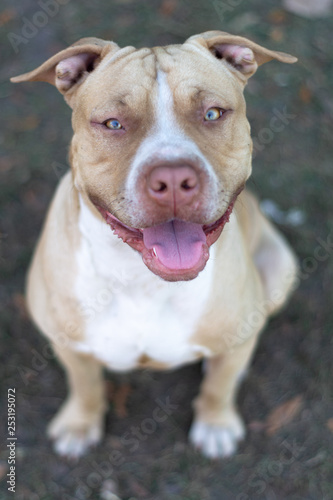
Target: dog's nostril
(188,184)
(162,187)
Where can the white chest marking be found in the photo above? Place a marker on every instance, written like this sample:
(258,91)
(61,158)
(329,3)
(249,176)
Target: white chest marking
(127,310)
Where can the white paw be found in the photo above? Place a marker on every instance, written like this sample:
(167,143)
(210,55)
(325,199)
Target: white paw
(216,441)
(74,433)
(73,443)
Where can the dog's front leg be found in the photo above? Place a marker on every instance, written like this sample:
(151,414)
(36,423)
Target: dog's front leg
(79,422)
(217,426)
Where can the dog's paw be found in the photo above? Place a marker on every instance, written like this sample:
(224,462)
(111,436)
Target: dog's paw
(73,433)
(217,441)
(73,443)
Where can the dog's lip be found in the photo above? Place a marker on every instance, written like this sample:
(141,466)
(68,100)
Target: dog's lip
(157,249)
(137,233)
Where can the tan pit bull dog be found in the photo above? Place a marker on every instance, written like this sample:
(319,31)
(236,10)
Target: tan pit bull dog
(152,255)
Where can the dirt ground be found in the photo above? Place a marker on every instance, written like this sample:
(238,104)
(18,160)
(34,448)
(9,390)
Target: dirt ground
(286,399)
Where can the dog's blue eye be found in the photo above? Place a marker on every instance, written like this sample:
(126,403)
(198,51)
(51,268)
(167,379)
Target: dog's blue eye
(213,114)
(113,124)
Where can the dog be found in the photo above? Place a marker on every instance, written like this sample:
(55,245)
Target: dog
(153,220)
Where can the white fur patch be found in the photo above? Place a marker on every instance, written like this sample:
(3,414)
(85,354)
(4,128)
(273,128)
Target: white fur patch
(129,311)
(217,441)
(167,141)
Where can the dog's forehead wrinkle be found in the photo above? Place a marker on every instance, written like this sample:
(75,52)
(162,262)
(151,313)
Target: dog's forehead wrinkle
(118,99)
(131,102)
(136,64)
(126,52)
(198,49)
(167,57)
(199,93)
(149,63)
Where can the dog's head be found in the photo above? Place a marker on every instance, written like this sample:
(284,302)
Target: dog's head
(161,143)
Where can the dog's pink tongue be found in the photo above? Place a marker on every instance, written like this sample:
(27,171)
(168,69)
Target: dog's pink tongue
(177,244)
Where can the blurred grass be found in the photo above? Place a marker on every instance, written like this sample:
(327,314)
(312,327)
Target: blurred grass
(294,169)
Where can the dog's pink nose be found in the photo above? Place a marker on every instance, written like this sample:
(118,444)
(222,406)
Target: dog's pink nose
(173,185)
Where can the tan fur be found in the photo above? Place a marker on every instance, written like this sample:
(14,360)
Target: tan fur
(52,272)
(254,269)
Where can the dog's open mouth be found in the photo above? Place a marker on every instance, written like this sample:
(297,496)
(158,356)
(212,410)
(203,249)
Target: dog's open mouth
(175,250)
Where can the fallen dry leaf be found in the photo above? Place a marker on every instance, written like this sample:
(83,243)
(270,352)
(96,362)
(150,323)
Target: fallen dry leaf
(32,201)
(7,163)
(109,390)
(277,16)
(119,396)
(329,424)
(168,7)
(6,16)
(305,94)
(120,400)
(3,470)
(282,415)
(277,34)
(257,426)
(137,488)
(27,123)
(20,304)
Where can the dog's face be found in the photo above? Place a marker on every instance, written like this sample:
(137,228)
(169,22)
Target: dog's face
(161,143)
(162,151)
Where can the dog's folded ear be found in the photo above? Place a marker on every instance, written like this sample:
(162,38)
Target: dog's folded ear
(242,55)
(70,66)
